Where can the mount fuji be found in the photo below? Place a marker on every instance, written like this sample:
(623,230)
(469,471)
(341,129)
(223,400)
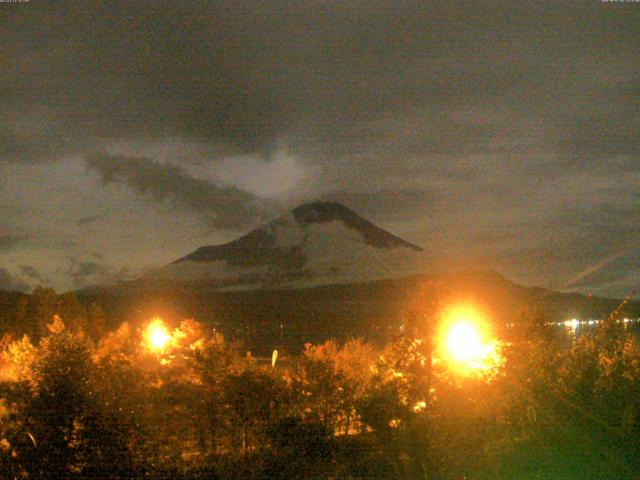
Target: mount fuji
(318,243)
(318,272)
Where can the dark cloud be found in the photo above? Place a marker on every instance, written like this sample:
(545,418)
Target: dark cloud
(12,283)
(223,207)
(80,270)
(88,272)
(34,275)
(90,219)
(10,239)
(478,120)
(386,206)
(244,74)
(573,262)
(23,144)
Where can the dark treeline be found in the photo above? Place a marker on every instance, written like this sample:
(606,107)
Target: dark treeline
(80,398)
(373,310)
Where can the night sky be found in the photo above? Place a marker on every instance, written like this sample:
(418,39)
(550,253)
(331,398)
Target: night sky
(501,135)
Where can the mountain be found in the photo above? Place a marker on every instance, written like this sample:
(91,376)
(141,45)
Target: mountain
(320,272)
(318,243)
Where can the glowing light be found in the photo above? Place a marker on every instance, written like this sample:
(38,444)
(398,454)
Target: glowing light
(465,341)
(419,406)
(156,335)
(572,324)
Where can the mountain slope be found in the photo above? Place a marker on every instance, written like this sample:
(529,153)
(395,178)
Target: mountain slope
(316,244)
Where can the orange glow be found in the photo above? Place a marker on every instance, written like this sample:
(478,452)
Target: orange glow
(156,335)
(465,341)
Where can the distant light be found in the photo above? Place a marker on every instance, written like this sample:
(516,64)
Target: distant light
(156,334)
(573,324)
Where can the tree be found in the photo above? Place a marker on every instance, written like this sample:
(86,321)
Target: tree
(254,399)
(96,322)
(321,388)
(56,404)
(300,451)
(35,312)
(393,407)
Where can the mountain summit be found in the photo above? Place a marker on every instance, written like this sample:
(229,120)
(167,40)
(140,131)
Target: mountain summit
(316,243)
(322,212)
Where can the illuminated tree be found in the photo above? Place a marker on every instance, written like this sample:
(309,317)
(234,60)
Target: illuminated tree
(36,311)
(320,387)
(97,322)
(355,361)
(56,404)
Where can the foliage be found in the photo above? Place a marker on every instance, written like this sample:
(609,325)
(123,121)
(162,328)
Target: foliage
(58,402)
(300,450)
(254,399)
(77,401)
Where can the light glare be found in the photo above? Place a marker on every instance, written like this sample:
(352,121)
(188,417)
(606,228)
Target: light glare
(157,336)
(465,342)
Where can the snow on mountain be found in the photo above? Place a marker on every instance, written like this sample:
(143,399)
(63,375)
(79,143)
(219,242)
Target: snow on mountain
(315,244)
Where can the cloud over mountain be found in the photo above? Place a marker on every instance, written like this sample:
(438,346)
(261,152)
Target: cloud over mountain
(220,206)
(458,123)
